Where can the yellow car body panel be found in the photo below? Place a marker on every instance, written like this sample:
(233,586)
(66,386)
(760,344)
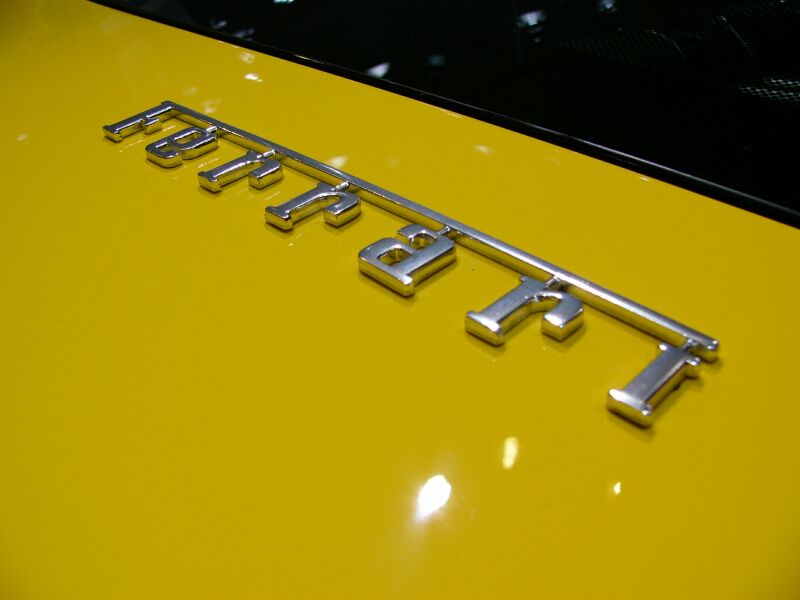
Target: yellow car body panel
(196,405)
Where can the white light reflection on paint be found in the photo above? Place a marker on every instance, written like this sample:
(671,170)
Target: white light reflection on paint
(510,451)
(210,106)
(432,496)
(253,77)
(617,488)
(337,161)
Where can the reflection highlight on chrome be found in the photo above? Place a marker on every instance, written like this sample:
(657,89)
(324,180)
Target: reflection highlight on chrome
(432,497)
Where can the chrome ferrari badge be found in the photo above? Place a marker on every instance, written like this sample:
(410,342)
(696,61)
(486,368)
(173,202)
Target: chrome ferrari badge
(427,245)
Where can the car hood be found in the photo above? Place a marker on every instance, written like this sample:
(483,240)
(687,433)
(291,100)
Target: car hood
(197,405)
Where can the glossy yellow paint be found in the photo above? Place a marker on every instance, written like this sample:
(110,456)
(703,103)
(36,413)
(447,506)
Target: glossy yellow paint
(195,405)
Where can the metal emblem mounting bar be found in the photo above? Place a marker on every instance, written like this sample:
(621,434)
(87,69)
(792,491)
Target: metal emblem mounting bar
(431,238)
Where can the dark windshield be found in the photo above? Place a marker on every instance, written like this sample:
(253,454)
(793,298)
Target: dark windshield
(701,94)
